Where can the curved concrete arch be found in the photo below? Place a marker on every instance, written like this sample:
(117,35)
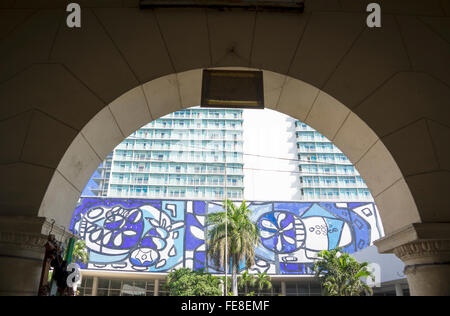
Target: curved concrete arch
(282,93)
(57,83)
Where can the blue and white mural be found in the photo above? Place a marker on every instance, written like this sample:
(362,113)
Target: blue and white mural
(160,235)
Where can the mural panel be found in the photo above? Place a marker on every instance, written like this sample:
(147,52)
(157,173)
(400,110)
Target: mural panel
(161,235)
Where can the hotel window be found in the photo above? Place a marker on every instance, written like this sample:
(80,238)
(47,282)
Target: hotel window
(85,288)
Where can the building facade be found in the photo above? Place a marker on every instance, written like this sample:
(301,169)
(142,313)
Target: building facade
(181,155)
(269,156)
(285,159)
(326,174)
(150,237)
(144,210)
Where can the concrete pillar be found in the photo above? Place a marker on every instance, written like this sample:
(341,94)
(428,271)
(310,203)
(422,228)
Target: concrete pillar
(283,288)
(156,287)
(430,279)
(94,286)
(425,250)
(22,251)
(398,289)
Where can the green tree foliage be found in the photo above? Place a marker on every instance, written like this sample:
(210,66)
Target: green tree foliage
(80,253)
(249,283)
(185,282)
(242,239)
(246,281)
(262,281)
(341,275)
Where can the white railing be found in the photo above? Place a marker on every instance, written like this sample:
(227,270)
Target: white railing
(333,185)
(175,183)
(175,195)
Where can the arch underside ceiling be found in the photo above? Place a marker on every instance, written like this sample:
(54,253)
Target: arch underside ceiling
(69,96)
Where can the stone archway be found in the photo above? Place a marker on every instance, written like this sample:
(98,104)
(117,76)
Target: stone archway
(387,89)
(282,93)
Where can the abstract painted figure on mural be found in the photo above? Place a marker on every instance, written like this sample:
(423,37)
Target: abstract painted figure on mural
(159,235)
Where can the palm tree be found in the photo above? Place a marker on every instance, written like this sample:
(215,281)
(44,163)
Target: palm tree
(262,281)
(243,237)
(245,280)
(340,274)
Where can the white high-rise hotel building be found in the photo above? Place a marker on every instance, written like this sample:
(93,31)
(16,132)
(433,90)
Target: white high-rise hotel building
(269,156)
(305,166)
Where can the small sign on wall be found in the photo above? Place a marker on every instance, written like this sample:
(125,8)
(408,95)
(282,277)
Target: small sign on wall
(232,89)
